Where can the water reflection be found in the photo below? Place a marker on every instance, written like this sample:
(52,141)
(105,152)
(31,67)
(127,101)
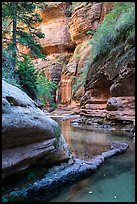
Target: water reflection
(84,144)
(114,181)
(75,190)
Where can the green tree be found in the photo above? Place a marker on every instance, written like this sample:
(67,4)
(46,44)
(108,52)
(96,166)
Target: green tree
(28,76)
(23,17)
(18,27)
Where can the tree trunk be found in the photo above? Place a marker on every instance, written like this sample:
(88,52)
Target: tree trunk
(14,33)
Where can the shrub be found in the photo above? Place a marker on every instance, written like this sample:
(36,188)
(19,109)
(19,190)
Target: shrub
(27,40)
(85,72)
(44,87)
(35,84)
(28,76)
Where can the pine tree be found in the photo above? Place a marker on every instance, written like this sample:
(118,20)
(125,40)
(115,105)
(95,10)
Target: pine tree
(23,17)
(18,27)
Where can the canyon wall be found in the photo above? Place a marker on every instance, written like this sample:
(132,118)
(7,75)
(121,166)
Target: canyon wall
(65,45)
(106,92)
(57,44)
(109,95)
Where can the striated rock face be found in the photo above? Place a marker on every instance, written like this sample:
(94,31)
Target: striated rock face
(119,108)
(122,108)
(85,17)
(29,136)
(78,63)
(108,79)
(109,90)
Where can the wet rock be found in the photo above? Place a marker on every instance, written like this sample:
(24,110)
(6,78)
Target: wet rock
(119,145)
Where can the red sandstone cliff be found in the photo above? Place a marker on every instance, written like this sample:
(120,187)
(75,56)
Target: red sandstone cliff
(85,16)
(67,49)
(66,43)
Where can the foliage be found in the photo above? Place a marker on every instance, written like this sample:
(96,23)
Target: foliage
(26,32)
(4,199)
(114,28)
(57,132)
(28,76)
(28,41)
(44,87)
(91,32)
(117,26)
(8,73)
(85,72)
(77,83)
(131,33)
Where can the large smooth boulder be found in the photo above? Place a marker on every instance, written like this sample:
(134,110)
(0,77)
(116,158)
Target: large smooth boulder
(28,134)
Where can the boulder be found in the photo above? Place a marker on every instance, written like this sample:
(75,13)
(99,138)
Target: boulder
(113,104)
(28,134)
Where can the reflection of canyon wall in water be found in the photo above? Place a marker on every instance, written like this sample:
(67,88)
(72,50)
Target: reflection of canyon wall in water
(66,131)
(84,144)
(88,144)
(75,188)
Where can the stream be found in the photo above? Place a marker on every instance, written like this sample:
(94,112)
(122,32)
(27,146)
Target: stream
(115,179)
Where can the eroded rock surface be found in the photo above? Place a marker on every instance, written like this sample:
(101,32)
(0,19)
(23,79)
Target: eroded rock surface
(55,28)
(85,17)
